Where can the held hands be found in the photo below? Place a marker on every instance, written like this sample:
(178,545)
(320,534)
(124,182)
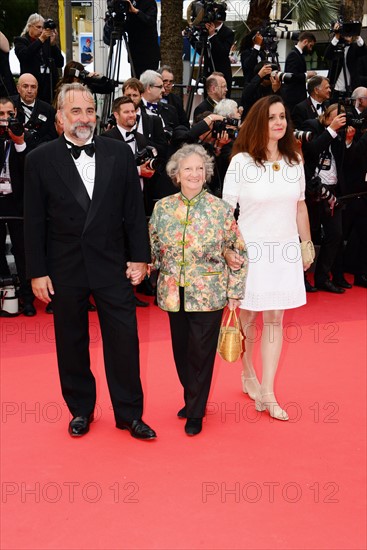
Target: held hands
(233,259)
(210,28)
(48,33)
(19,140)
(258,39)
(136,272)
(338,122)
(265,71)
(351,132)
(145,171)
(42,288)
(131,8)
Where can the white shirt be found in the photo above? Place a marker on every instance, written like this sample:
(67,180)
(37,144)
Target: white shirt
(86,167)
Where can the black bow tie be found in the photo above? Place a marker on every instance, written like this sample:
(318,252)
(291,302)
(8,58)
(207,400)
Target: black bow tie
(152,107)
(29,107)
(132,133)
(76,150)
(319,106)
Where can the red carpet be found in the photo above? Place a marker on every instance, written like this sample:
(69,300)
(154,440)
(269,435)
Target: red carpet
(246,482)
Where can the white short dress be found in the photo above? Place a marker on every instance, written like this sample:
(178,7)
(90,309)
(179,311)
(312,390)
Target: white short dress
(268,200)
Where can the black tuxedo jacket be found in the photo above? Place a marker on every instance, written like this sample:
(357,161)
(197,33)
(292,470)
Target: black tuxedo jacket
(295,91)
(249,60)
(354,54)
(175,101)
(140,139)
(77,241)
(206,105)
(168,114)
(16,169)
(303,111)
(42,120)
(153,132)
(221,44)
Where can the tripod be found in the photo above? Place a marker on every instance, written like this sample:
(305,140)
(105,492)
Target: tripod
(339,59)
(205,65)
(119,37)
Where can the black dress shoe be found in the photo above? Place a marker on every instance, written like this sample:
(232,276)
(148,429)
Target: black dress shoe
(193,426)
(328,286)
(182,413)
(140,303)
(49,309)
(137,429)
(80,425)
(91,307)
(341,282)
(360,280)
(29,310)
(309,287)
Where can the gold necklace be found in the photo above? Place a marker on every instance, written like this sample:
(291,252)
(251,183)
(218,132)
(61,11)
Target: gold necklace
(276,166)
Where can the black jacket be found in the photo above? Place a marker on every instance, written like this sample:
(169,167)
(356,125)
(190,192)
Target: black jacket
(354,53)
(295,91)
(41,124)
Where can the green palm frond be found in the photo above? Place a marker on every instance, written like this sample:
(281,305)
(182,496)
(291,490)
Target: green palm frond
(315,13)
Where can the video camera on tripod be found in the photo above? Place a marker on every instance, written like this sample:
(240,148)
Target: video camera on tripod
(271,34)
(346,28)
(117,11)
(201,12)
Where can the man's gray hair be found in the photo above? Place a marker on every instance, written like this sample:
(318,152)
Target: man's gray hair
(226,107)
(32,19)
(167,68)
(173,165)
(148,78)
(359,92)
(73,87)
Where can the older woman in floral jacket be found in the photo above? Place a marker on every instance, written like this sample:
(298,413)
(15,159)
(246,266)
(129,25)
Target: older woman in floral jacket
(190,233)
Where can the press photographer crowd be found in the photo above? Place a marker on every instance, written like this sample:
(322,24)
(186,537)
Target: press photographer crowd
(328,116)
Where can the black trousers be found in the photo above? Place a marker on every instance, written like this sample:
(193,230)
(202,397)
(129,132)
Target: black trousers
(117,317)
(330,257)
(355,232)
(194,343)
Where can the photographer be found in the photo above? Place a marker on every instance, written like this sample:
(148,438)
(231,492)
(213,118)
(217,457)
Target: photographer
(343,54)
(324,160)
(39,55)
(251,50)
(140,23)
(295,91)
(221,39)
(170,97)
(12,153)
(216,89)
(36,115)
(265,82)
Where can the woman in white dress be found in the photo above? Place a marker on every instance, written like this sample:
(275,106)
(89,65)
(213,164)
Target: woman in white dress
(266,179)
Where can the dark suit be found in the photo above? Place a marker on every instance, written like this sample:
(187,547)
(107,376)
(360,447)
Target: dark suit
(83,245)
(295,91)
(33,55)
(354,54)
(304,111)
(206,105)
(249,59)
(221,44)
(42,120)
(176,101)
(11,205)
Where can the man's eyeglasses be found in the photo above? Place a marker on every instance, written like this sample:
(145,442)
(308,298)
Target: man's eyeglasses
(168,81)
(156,86)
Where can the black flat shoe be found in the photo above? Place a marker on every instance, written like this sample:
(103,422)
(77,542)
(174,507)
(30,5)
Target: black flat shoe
(91,307)
(29,310)
(341,282)
(193,426)
(360,280)
(80,425)
(309,287)
(137,429)
(49,309)
(328,286)
(182,413)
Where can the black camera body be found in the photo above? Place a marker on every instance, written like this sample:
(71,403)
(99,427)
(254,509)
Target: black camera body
(49,24)
(13,124)
(347,28)
(220,126)
(272,35)
(9,280)
(117,11)
(318,192)
(150,154)
(96,84)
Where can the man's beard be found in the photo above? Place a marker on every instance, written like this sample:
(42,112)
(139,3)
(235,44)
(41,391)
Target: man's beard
(83,131)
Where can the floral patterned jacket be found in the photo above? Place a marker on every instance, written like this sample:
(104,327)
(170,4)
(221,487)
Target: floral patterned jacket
(188,239)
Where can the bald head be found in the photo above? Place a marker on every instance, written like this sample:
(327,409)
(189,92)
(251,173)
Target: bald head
(360,96)
(27,88)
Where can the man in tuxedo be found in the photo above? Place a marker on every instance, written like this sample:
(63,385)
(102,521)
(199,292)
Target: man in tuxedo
(12,153)
(295,91)
(85,233)
(359,97)
(319,92)
(37,116)
(171,98)
(216,89)
(344,54)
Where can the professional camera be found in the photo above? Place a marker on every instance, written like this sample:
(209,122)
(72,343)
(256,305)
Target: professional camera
(117,11)
(13,124)
(303,136)
(9,280)
(224,125)
(272,35)
(318,191)
(49,24)
(284,78)
(200,12)
(346,28)
(358,122)
(148,153)
(97,84)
